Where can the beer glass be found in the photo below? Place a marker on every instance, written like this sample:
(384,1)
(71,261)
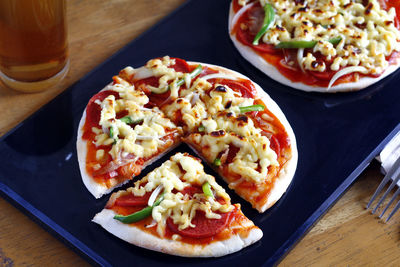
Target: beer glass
(33,43)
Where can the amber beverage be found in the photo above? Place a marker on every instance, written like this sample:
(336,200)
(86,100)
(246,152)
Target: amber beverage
(33,43)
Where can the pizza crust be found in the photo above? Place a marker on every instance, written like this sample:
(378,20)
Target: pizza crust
(287,172)
(97,190)
(272,72)
(136,236)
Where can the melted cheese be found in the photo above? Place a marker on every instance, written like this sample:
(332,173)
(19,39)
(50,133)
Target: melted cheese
(190,104)
(161,68)
(255,154)
(176,174)
(141,139)
(224,98)
(368,32)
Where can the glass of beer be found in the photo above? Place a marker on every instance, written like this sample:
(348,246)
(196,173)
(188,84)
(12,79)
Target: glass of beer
(33,43)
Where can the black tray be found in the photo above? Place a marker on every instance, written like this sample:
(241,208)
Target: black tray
(337,134)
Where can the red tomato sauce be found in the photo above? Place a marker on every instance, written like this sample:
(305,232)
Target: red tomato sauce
(276,57)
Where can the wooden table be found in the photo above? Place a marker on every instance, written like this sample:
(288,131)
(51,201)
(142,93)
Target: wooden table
(347,235)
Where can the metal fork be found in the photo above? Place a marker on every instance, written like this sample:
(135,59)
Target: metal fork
(392,174)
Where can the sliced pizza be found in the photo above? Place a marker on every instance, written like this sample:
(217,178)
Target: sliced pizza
(224,116)
(178,209)
(252,148)
(119,134)
(325,46)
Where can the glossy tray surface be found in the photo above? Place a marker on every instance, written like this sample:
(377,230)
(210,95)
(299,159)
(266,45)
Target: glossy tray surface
(337,135)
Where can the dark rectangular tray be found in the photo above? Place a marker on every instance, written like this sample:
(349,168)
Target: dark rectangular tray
(337,135)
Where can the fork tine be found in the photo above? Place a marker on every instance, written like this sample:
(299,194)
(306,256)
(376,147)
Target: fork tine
(393,211)
(387,177)
(390,202)
(378,190)
(395,178)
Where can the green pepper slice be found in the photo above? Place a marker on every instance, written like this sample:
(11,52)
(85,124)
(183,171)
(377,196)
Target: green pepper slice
(201,128)
(192,75)
(207,190)
(305,44)
(112,135)
(217,162)
(268,19)
(336,40)
(251,108)
(139,215)
(128,120)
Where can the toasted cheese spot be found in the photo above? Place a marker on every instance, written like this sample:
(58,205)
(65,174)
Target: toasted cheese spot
(239,124)
(221,97)
(174,175)
(368,32)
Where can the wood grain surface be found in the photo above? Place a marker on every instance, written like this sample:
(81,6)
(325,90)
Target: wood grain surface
(348,235)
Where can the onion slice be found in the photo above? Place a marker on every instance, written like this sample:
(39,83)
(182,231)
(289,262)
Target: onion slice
(146,109)
(216,76)
(194,99)
(142,73)
(285,64)
(154,195)
(153,223)
(239,14)
(115,164)
(300,53)
(345,71)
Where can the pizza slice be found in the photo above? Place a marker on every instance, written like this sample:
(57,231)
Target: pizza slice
(119,134)
(178,209)
(250,144)
(324,46)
